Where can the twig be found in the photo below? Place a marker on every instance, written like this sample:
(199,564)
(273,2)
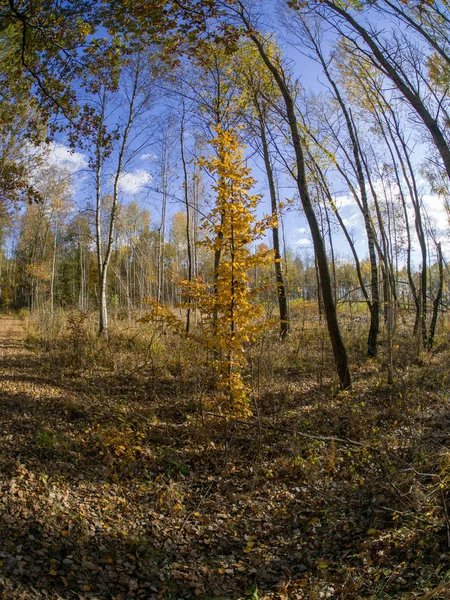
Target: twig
(447,520)
(406,514)
(196,508)
(208,489)
(321,438)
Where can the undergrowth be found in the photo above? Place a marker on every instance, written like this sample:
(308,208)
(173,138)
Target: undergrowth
(319,494)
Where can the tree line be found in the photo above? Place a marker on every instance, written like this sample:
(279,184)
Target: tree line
(143,94)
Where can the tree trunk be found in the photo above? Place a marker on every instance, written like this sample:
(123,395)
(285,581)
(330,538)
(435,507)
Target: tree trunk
(339,351)
(374,306)
(103,314)
(399,79)
(437,300)
(52,278)
(281,288)
(188,216)
(390,331)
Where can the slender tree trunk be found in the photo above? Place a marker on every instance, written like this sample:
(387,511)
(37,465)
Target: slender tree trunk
(98,225)
(52,278)
(390,331)
(339,350)
(217,257)
(103,323)
(383,249)
(374,306)
(319,290)
(437,300)
(188,216)
(81,297)
(420,232)
(322,182)
(281,288)
(330,240)
(404,207)
(103,259)
(162,247)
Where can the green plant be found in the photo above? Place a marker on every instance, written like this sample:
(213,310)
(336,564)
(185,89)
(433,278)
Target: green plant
(46,441)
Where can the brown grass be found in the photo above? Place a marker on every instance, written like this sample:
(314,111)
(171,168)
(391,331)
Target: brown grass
(119,482)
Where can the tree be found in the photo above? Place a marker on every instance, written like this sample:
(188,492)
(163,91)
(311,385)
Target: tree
(389,58)
(258,102)
(231,230)
(230,320)
(55,188)
(102,138)
(275,67)
(311,39)
(187,206)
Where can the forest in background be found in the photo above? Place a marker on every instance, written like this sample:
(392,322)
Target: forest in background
(225,294)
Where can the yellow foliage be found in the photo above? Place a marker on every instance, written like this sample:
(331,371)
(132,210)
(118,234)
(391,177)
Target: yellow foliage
(230,228)
(40,271)
(231,320)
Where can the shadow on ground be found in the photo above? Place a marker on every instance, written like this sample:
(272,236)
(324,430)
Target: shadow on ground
(139,495)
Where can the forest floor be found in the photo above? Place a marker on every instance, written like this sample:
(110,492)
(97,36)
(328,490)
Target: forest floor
(115,486)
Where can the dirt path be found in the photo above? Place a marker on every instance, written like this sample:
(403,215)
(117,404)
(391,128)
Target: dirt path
(12,350)
(25,391)
(34,506)
(11,333)
(20,386)
(20,369)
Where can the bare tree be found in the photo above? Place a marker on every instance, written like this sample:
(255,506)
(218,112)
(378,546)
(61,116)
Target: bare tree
(282,80)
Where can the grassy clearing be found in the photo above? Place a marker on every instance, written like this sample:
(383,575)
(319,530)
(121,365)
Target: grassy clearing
(121,480)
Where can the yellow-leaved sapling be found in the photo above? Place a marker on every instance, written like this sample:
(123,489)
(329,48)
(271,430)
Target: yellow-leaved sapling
(230,319)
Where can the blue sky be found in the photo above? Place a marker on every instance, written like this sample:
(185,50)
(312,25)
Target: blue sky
(137,181)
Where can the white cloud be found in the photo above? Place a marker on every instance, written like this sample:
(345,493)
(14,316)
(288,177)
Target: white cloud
(301,230)
(63,156)
(148,157)
(355,220)
(304,242)
(132,183)
(344,201)
(436,210)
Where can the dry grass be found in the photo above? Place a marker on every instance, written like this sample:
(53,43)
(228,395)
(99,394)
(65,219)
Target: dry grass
(118,482)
